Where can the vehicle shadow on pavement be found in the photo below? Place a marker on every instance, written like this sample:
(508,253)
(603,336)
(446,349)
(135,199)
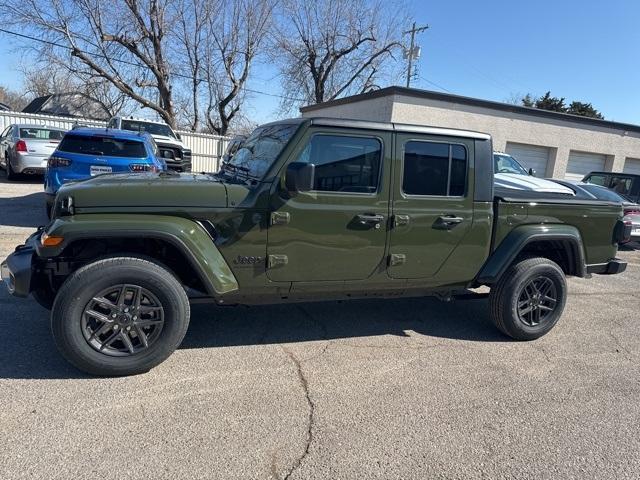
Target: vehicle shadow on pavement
(28,352)
(213,326)
(24,211)
(630,247)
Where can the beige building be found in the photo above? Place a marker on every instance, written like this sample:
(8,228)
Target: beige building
(553,144)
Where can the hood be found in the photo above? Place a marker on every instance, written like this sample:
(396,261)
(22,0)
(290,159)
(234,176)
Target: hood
(527,182)
(168,141)
(147,190)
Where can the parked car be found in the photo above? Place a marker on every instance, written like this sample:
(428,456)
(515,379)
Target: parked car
(24,149)
(631,209)
(626,184)
(170,146)
(233,147)
(508,173)
(309,209)
(87,152)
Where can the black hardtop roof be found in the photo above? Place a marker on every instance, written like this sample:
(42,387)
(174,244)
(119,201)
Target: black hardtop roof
(387,126)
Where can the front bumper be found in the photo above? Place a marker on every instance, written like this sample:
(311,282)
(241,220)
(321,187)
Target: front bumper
(612,267)
(178,166)
(17,271)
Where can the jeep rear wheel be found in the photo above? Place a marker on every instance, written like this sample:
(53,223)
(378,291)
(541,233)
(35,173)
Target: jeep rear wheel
(119,316)
(529,298)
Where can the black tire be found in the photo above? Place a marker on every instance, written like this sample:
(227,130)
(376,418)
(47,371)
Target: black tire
(11,175)
(70,317)
(517,298)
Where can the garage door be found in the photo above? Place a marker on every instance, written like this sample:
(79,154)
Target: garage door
(632,165)
(581,163)
(530,156)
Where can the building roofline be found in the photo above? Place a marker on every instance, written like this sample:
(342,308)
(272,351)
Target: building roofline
(476,102)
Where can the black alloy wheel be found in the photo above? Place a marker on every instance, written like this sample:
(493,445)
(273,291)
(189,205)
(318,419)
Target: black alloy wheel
(122,320)
(537,301)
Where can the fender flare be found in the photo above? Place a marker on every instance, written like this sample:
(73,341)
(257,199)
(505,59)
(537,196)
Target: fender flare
(521,236)
(188,236)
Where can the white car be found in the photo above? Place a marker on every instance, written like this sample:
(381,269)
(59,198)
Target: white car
(508,173)
(170,146)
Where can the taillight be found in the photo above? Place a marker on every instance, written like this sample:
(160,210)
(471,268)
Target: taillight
(142,167)
(21,146)
(54,162)
(629,211)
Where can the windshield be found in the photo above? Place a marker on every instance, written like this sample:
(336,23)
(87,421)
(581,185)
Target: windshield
(507,164)
(603,193)
(260,150)
(152,128)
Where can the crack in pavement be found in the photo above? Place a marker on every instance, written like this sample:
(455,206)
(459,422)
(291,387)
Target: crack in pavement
(311,416)
(323,332)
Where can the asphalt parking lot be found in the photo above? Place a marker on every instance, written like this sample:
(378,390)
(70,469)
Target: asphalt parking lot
(367,389)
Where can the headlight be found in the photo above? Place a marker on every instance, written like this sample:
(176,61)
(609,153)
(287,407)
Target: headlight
(64,206)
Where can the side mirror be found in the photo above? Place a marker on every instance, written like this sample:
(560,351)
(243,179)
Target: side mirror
(178,136)
(532,172)
(299,177)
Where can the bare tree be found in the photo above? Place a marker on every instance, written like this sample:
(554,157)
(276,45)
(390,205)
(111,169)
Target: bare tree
(13,99)
(48,77)
(193,18)
(237,33)
(122,42)
(336,47)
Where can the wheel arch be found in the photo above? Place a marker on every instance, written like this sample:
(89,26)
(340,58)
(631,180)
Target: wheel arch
(559,243)
(126,235)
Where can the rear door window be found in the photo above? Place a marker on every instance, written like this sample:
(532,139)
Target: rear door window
(434,169)
(621,185)
(107,146)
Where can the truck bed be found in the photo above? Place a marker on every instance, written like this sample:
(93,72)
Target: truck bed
(594,219)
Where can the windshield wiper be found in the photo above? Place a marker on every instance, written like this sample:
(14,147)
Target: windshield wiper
(233,171)
(237,168)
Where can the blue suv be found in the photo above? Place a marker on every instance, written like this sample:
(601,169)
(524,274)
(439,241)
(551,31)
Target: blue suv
(87,152)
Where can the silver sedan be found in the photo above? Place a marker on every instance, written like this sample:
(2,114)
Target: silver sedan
(25,149)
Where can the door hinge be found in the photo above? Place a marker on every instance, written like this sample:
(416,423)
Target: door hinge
(401,220)
(280,218)
(277,260)
(397,259)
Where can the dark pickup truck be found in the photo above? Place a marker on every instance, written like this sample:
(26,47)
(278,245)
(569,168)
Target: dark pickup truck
(307,209)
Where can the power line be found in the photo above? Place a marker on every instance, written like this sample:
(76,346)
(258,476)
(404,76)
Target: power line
(139,65)
(435,84)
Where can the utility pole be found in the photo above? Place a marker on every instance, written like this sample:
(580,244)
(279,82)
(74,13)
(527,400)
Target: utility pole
(413,52)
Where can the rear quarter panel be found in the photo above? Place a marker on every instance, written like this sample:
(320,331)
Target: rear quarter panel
(595,221)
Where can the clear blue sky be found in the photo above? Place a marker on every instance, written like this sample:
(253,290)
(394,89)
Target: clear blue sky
(582,50)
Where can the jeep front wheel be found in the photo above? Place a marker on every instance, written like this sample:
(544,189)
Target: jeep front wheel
(119,316)
(529,298)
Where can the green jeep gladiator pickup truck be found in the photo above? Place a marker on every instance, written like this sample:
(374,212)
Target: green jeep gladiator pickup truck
(307,209)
